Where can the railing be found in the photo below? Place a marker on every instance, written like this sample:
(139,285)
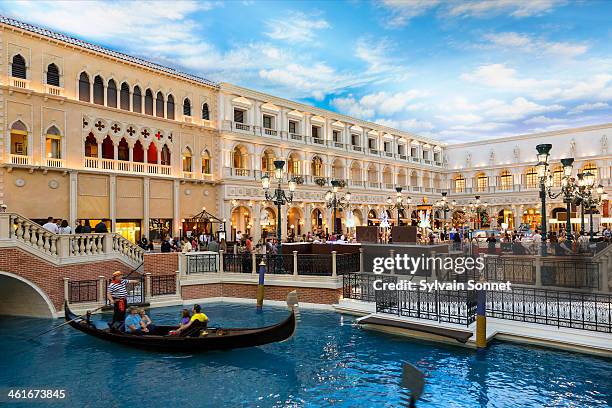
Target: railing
(20,83)
(576,310)
(83,291)
(242,126)
(360,286)
(317,140)
(579,274)
(295,136)
(107,164)
(374,152)
(187,119)
(86,244)
(238,263)
(52,162)
(347,263)
(138,167)
(127,248)
(270,132)
(201,263)
(513,269)
(135,291)
(20,159)
(163,285)
(188,174)
(314,265)
(91,163)
(373,184)
(53,90)
(357,148)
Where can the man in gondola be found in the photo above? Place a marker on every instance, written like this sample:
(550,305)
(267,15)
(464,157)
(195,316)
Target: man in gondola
(117,296)
(198,321)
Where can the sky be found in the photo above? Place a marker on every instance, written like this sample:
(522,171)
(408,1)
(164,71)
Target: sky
(456,71)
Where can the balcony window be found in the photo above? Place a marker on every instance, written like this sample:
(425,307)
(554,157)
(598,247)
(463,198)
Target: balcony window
(387,146)
(316,132)
(18,67)
(123,150)
(91,146)
(505,180)
(205,112)
(137,100)
(482,182)
(206,163)
(53,76)
(371,143)
(336,136)
(165,156)
(354,140)
(98,90)
(531,178)
(124,96)
(268,122)
(425,155)
(84,87)
(159,105)
(170,107)
(19,139)
(53,145)
(111,94)
(238,115)
(459,184)
(437,157)
(187,160)
(557,176)
(292,126)
(400,149)
(413,152)
(149,102)
(317,167)
(187,107)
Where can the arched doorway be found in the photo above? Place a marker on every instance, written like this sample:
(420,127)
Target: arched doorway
(20,297)
(316,220)
(241,221)
(295,222)
(505,219)
(357,218)
(373,218)
(267,222)
(531,216)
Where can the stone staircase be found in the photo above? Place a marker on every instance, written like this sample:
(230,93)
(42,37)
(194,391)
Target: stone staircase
(65,249)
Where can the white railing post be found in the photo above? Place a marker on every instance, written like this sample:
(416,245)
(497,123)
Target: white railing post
(107,244)
(63,246)
(182,263)
(254,263)
(604,265)
(220,268)
(295,263)
(177,289)
(5,226)
(361,260)
(101,290)
(66,290)
(147,285)
(334,274)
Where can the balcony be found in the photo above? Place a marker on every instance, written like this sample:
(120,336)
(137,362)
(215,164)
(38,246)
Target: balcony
(124,166)
(317,140)
(270,132)
(402,156)
(388,154)
(374,152)
(357,148)
(187,119)
(339,145)
(295,136)
(188,174)
(54,90)
(389,186)
(20,83)
(20,159)
(52,162)
(242,127)
(356,183)
(373,184)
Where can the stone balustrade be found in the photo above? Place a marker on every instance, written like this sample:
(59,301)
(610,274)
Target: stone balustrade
(16,230)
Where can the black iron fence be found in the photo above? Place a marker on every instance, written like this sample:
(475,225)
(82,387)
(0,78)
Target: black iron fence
(314,264)
(347,263)
(201,263)
(517,270)
(83,291)
(163,285)
(359,286)
(576,310)
(578,274)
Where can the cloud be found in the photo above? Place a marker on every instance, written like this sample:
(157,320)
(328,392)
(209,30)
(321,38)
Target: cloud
(543,120)
(402,11)
(295,28)
(379,103)
(489,8)
(588,107)
(413,125)
(501,76)
(513,42)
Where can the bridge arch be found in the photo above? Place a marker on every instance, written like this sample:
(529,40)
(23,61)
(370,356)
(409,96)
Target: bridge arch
(20,297)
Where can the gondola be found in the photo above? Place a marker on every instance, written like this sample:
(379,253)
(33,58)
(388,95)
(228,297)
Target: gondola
(215,339)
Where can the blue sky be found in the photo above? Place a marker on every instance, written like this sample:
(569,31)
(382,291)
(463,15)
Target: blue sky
(453,70)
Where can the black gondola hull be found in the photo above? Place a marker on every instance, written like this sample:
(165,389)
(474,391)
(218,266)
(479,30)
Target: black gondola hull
(233,338)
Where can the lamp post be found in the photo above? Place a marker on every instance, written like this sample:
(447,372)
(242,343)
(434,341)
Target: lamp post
(279,198)
(446,207)
(542,166)
(399,203)
(334,200)
(476,208)
(589,197)
(568,187)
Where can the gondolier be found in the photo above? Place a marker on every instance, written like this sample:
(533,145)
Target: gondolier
(117,296)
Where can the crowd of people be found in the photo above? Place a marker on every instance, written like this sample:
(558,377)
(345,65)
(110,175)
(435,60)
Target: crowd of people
(60,226)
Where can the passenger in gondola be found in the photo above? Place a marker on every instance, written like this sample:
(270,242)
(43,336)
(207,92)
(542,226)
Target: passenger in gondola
(134,323)
(197,322)
(146,320)
(185,317)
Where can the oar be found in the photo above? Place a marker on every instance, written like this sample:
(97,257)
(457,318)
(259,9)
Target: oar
(65,323)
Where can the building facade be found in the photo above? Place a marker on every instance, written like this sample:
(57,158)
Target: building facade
(91,134)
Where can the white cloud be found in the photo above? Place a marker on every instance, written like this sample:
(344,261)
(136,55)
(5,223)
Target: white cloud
(542,120)
(500,76)
(513,42)
(380,103)
(296,27)
(403,11)
(413,125)
(588,107)
(488,8)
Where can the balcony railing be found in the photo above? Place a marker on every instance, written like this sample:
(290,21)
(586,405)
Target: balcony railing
(54,90)
(357,148)
(339,145)
(374,151)
(122,166)
(107,164)
(402,156)
(20,159)
(295,136)
(317,140)
(373,184)
(20,83)
(388,154)
(356,183)
(52,162)
(389,186)
(188,119)
(188,174)
(270,132)
(242,126)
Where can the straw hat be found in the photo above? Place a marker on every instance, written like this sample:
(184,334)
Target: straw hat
(116,273)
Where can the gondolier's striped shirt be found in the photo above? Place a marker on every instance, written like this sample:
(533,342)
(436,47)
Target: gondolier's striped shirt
(118,290)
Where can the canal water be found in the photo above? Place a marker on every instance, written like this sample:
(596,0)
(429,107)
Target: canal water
(330,362)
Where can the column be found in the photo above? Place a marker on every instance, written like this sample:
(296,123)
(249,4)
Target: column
(257,112)
(284,212)
(176,208)
(131,153)
(112,196)
(131,101)
(307,218)
(73,197)
(145,207)
(256,232)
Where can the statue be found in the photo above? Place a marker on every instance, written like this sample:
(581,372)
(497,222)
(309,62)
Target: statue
(468,160)
(517,154)
(384,220)
(604,144)
(572,148)
(424,220)
(492,157)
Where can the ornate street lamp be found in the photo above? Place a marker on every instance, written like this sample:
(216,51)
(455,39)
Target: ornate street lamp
(399,203)
(476,208)
(589,197)
(279,198)
(542,167)
(334,200)
(444,205)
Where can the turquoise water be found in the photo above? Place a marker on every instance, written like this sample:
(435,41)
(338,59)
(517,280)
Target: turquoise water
(329,362)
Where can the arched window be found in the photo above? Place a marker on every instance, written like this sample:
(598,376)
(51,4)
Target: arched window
(19,139)
(267,161)
(111,94)
(98,90)
(240,158)
(123,150)
(18,67)
(206,168)
(137,100)
(152,154)
(108,148)
(84,87)
(124,96)
(53,77)
(91,146)
(187,160)
(293,165)
(459,182)
(170,107)
(187,107)
(505,180)
(482,182)
(205,113)
(159,105)
(557,176)
(316,167)
(165,156)
(53,145)
(149,102)
(591,168)
(531,177)
(138,152)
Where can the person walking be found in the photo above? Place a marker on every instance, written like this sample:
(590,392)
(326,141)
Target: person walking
(117,296)
(50,225)
(101,228)
(64,228)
